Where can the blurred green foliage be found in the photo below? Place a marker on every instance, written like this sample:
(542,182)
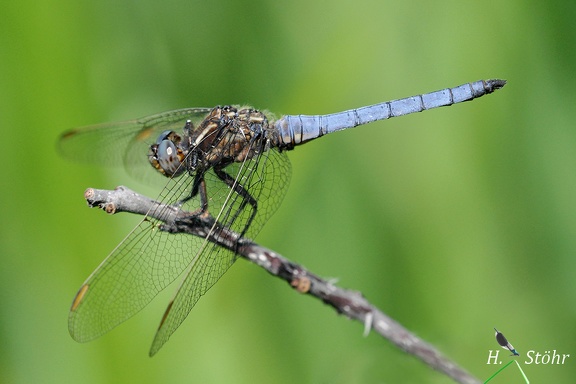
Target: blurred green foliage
(452,221)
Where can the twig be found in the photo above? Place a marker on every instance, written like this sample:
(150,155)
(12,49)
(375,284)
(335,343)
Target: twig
(350,303)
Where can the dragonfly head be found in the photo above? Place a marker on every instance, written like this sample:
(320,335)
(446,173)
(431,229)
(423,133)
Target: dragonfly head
(166,155)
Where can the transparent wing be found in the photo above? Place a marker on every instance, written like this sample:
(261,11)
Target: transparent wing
(125,143)
(149,259)
(128,279)
(266,178)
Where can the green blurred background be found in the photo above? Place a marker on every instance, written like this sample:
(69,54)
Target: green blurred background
(452,221)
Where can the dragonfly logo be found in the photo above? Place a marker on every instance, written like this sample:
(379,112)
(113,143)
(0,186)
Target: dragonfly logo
(493,357)
(504,343)
(533,357)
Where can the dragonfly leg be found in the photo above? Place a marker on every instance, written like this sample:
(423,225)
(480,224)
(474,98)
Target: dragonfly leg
(198,188)
(243,193)
(203,210)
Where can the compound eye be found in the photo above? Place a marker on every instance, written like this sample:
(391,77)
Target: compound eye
(168,158)
(167,135)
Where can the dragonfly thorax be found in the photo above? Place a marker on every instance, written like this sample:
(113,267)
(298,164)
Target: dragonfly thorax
(226,135)
(229,135)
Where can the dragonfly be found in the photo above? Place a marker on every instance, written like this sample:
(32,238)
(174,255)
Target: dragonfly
(228,163)
(501,339)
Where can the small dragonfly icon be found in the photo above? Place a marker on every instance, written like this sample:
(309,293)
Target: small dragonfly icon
(501,339)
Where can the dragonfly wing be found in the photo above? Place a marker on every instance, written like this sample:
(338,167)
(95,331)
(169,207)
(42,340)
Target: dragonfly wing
(142,265)
(210,263)
(125,143)
(266,178)
(127,280)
